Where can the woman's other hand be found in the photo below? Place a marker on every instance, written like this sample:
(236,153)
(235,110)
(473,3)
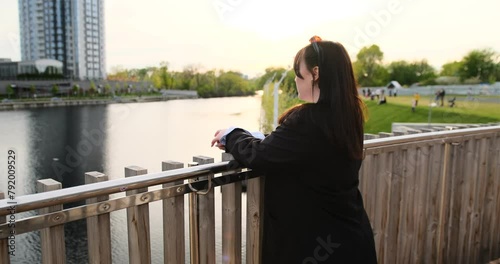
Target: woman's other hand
(216,140)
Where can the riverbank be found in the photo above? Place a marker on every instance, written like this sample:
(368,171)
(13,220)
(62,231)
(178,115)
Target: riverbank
(56,102)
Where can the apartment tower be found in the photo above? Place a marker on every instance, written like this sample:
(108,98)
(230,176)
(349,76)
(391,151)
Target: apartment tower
(70,31)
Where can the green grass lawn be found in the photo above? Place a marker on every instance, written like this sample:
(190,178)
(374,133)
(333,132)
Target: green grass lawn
(398,109)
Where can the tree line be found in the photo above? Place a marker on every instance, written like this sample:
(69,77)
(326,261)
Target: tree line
(477,66)
(212,83)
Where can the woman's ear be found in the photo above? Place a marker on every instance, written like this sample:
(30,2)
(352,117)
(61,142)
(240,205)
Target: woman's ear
(315,72)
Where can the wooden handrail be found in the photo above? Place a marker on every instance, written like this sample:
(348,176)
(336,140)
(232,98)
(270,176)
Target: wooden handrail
(78,193)
(442,135)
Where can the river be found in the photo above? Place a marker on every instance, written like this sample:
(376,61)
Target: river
(65,142)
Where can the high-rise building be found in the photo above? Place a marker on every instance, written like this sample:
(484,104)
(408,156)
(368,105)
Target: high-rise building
(70,31)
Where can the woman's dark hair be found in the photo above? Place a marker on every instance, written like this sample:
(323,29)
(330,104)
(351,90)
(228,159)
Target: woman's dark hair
(343,111)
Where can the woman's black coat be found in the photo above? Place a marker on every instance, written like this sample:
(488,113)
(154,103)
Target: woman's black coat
(313,210)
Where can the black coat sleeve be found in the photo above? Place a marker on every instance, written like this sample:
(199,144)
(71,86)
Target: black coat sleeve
(286,147)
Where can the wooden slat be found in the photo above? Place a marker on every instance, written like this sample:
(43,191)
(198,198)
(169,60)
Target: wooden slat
(173,221)
(433,204)
(473,197)
(255,217)
(395,205)
(491,236)
(4,243)
(52,239)
(139,242)
(457,191)
(98,227)
(231,220)
(406,235)
(480,211)
(206,205)
(445,207)
(386,181)
(194,231)
(381,205)
(495,172)
(466,206)
(367,190)
(421,201)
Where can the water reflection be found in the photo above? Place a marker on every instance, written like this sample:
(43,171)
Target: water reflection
(64,143)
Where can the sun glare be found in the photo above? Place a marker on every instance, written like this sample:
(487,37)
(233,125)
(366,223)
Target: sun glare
(282,19)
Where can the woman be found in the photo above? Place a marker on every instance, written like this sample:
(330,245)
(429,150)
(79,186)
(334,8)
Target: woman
(313,209)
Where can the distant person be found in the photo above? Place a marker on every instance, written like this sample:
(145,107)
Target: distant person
(437,93)
(441,96)
(370,94)
(416,97)
(469,94)
(413,105)
(382,99)
(313,210)
(377,93)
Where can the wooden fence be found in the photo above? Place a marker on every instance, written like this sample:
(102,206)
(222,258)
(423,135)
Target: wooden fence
(431,198)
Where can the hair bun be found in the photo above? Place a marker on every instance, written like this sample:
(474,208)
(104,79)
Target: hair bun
(315,39)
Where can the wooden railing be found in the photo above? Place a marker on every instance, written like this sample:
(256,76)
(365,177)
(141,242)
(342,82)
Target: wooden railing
(434,197)
(431,198)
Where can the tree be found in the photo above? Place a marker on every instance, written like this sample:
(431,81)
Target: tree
(479,64)
(497,72)
(92,88)
(118,73)
(163,76)
(402,72)
(289,86)
(426,74)
(268,76)
(117,88)
(55,90)
(107,89)
(75,89)
(10,90)
(368,68)
(451,69)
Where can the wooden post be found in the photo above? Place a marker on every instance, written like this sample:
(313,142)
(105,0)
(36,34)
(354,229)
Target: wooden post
(370,136)
(139,243)
(4,243)
(173,221)
(255,217)
(413,131)
(231,220)
(399,133)
(53,246)
(385,134)
(98,227)
(194,235)
(206,218)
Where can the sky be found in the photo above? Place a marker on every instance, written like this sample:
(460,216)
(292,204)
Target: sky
(251,35)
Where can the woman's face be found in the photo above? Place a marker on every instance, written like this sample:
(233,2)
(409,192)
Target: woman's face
(305,85)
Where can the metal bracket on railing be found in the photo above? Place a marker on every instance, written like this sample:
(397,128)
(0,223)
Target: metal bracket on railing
(210,176)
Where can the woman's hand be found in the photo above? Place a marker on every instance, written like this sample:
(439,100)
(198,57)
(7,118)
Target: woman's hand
(217,137)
